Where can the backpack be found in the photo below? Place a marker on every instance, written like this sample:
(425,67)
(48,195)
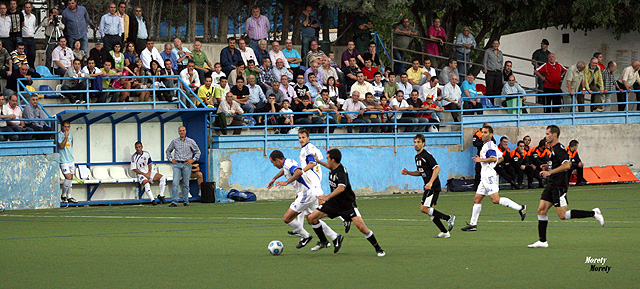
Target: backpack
(243,196)
(460,185)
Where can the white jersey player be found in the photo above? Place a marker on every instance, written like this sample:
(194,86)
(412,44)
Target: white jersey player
(308,162)
(306,201)
(141,165)
(489,157)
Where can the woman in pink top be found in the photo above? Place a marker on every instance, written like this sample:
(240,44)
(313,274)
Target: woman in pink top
(435,32)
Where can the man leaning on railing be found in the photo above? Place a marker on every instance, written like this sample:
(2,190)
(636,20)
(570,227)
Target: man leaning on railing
(77,83)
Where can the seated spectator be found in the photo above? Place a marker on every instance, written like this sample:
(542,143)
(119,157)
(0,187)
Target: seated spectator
(167,53)
(33,110)
(415,103)
(398,103)
(448,71)
(390,87)
(262,51)
(335,93)
(387,115)
(256,97)
(416,75)
(354,104)
(251,69)
(78,83)
(62,57)
(315,69)
(428,68)
(137,69)
(78,53)
(159,81)
(289,92)
(234,110)
(507,71)
(246,52)
(305,105)
(22,72)
(512,87)
(351,72)
(286,119)
(241,95)
(301,90)
(16,126)
(326,71)
(452,96)
(275,90)
(230,56)
(108,91)
(5,114)
(432,117)
(92,71)
(118,57)
(517,163)
(150,53)
(372,104)
(190,76)
(351,52)
(217,73)
(275,54)
(502,168)
(18,56)
(272,106)
(378,86)
(130,53)
(221,90)
(279,70)
(292,57)
(576,163)
(372,55)
(405,86)
(203,65)
(469,89)
(314,54)
(183,54)
(99,54)
(205,93)
(335,66)
(325,104)
(432,87)
(361,86)
(6,66)
(314,87)
(266,77)
(169,82)
(239,72)
(369,71)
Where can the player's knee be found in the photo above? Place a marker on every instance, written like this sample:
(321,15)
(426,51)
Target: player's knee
(562,216)
(542,212)
(497,201)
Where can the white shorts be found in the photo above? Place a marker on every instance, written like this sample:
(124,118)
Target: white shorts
(68,168)
(306,202)
(141,178)
(488,186)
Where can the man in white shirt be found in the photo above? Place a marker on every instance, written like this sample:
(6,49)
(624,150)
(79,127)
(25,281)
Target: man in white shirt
(28,33)
(354,104)
(432,87)
(361,86)
(398,103)
(232,107)
(78,83)
(275,53)
(452,97)
(150,53)
(246,52)
(190,77)
(404,85)
(62,57)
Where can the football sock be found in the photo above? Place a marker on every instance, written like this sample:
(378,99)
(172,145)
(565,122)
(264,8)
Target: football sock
(162,185)
(318,229)
(510,204)
(372,239)
(440,215)
(298,228)
(542,227)
(439,224)
(147,190)
(475,214)
(328,231)
(578,214)
(66,188)
(300,219)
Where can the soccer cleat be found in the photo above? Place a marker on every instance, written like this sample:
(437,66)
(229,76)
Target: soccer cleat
(598,216)
(186,204)
(292,233)
(173,205)
(443,235)
(470,227)
(381,253)
(321,245)
(304,242)
(72,200)
(154,202)
(79,181)
(451,222)
(539,244)
(162,199)
(523,212)
(337,243)
(347,226)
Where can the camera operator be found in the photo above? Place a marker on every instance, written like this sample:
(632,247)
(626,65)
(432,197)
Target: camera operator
(53,28)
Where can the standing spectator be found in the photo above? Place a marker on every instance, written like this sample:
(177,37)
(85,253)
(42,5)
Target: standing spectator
(14,109)
(53,28)
(292,57)
(314,54)
(257,28)
(110,28)
(448,71)
(552,73)
(507,71)
(594,84)
(540,57)
(6,63)
(182,152)
(17,22)
(33,110)
(200,58)
(403,33)
(610,85)
(600,58)
(468,87)
(137,32)
(575,83)
(493,64)
(417,75)
(75,19)
(62,57)
(467,42)
(246,52)
(169,82)
(167,53)
(629,80)
(100,54)
(362,31)
(184,54)
(18,56)
(5,27)
(349,53)
(437,34)
(452,95)
(124,21)
(28,33)
(229,56)
(77,83)
(308,29)
(262,52)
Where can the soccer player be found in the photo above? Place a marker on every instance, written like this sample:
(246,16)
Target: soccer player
(428,169)
(67,164)
(555,193)
(305,202)
(141,165)
(489,157)
(341,202)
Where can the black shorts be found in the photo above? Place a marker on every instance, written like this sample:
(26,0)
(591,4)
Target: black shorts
(557,195)
(346,212)
(430,198)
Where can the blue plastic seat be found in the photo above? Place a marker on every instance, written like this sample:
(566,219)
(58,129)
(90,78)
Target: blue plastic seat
(44,72)
(43,88)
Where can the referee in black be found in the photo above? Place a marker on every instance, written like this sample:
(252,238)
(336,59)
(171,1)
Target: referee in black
(340,203)
(428,169)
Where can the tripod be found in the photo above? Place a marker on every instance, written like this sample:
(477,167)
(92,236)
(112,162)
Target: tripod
(55,36)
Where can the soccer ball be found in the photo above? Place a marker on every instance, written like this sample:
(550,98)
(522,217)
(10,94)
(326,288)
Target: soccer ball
(275,247)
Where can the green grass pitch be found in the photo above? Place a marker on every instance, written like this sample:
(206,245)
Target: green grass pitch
(225,246)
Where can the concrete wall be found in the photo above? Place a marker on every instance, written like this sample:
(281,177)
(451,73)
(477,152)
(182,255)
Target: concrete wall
(30,182)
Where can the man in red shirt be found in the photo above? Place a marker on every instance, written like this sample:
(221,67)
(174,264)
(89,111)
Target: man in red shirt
(432,117)
(369,71)
(552,73)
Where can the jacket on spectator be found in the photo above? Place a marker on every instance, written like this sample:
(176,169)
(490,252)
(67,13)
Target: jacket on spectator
(133,28)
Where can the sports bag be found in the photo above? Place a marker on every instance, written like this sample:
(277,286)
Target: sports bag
(459,185)
(243,196)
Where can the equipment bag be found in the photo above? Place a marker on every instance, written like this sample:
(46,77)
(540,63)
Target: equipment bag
(208,192)
(244,196)
(459,185)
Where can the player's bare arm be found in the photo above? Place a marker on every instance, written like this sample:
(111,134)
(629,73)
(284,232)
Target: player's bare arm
(324,164)
(477,159)
(335,192)
(434,175)
(295,176)
(564,167)
(278,175)
(410,173)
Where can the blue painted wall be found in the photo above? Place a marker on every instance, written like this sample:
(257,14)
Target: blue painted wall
(30,182)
